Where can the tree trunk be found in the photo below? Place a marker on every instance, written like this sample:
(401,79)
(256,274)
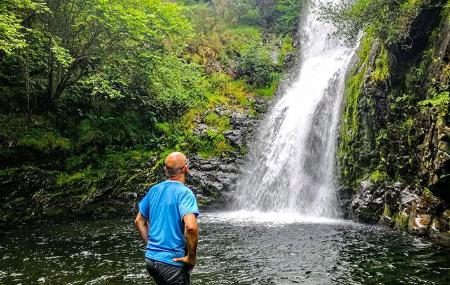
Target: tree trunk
(50,75)
(27,86)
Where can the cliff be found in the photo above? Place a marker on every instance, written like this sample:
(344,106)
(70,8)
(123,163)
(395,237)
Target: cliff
(394,144)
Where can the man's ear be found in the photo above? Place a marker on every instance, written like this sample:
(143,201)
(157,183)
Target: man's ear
(186,169)
(165,171)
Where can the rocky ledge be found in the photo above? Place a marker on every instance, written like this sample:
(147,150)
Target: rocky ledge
(400,207)
(212,179)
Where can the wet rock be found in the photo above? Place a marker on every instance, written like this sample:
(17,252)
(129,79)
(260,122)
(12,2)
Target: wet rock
(235,137)
(213,178)
(239,119)
(129,195)
(345,201)
(368,204)
(222,111)
(207,166)
(200,129)
(420,223)
(229,167)
(261,105)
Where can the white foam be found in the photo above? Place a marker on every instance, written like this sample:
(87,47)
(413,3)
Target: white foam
(270,218)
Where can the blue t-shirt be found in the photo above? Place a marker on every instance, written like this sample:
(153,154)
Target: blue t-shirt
(164,206)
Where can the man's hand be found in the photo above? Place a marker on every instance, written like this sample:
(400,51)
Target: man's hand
(186,260)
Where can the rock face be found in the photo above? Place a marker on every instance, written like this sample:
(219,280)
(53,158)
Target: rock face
(402,207)
(394,144)
(212,178)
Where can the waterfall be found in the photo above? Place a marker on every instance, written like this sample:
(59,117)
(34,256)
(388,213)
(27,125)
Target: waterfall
(291,165)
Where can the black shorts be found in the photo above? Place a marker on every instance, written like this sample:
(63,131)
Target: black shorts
(165,274)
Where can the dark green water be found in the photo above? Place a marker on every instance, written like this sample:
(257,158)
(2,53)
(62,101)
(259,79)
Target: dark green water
(232,251)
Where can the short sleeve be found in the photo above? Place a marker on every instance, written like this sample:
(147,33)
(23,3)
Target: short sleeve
(187,204)
(144,207)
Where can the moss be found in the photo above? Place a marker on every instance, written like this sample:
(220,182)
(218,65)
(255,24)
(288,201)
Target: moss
(350,123)
(216,99)
(386,211)
(80,176)
(381,71)
(401,220)
(378,176)
(237,90)
(441,102)
(220,122)
(246,33)
(354,87)
(164,127)
(43,141)
(427,193)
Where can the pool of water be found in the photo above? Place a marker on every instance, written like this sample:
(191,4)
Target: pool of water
(234,248)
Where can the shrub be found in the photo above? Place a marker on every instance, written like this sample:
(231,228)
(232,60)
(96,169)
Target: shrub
(256,66)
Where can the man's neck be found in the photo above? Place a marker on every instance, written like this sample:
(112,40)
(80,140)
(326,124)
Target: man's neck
(179,178)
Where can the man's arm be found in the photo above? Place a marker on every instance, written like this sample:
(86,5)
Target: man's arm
(191,234)
(141,224)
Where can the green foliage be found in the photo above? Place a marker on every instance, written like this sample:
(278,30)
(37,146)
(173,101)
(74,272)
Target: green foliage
(381,71)
(214,145)
(387,20)
(40,140)
(286,14)
(441,102)
(378,176)
(232,12)
(256,66)
(237,11)
(219,122)
(281,16)
(14,18)
(96,93)
(178,85)
(270,90)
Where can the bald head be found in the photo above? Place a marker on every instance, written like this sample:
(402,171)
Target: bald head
(175,164)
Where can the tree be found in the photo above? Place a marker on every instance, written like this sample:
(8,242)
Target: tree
(15,18)
(87,35)
(388,20)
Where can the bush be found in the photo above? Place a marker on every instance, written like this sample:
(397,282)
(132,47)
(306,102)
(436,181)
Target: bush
(256,66)
(286,15)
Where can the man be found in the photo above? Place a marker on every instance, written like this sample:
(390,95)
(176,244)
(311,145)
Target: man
(167,223)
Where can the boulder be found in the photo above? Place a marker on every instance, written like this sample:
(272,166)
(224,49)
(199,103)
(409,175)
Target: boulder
(367,206)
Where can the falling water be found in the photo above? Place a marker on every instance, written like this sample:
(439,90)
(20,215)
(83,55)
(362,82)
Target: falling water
(291,166)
